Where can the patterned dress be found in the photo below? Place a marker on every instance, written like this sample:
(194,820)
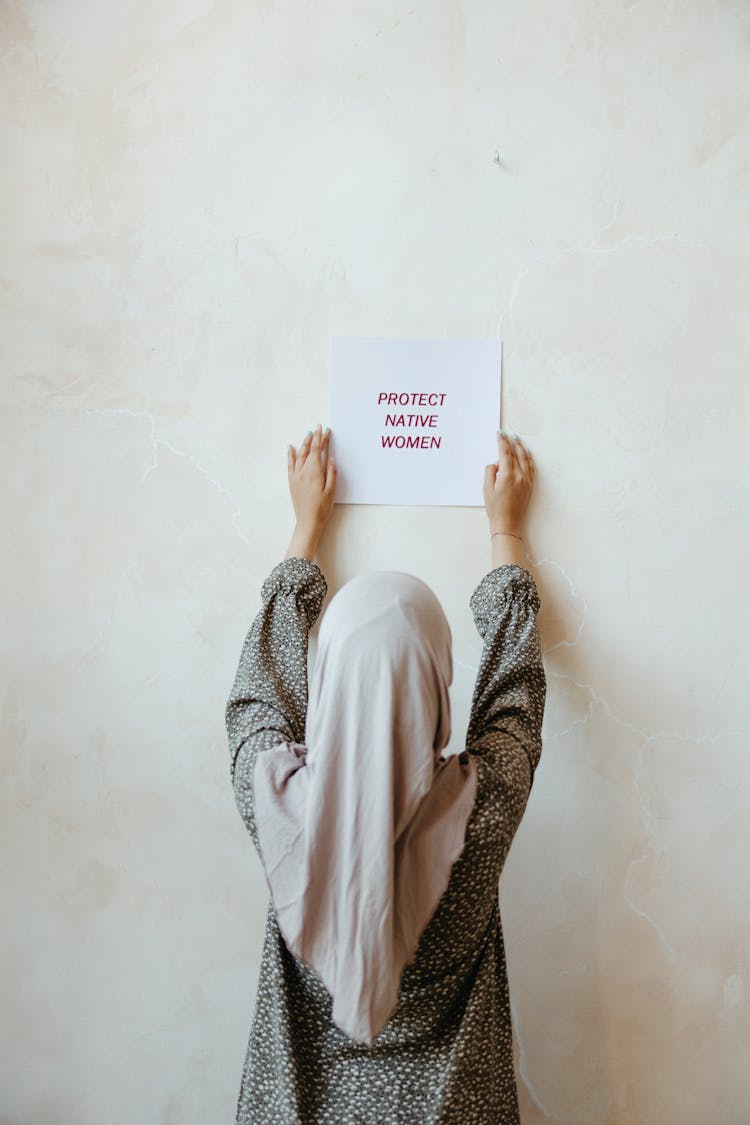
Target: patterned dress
(446,1054)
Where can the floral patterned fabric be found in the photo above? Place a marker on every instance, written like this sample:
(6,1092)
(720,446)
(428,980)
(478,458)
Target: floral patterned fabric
(446,1055)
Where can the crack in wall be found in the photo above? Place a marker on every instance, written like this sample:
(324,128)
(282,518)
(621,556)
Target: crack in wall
(592,247)
(644,738)
(523,1072)
(156,441)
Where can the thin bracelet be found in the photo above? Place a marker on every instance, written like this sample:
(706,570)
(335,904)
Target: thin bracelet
(506,533)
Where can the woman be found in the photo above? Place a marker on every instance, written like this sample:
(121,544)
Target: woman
(383,992)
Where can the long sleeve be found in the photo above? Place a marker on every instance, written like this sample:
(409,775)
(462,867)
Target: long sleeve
(268,701)
(505,725)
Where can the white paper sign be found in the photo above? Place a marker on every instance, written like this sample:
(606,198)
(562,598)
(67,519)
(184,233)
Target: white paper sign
(413,421)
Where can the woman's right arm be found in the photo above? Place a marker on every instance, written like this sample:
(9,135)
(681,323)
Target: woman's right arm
(505,726)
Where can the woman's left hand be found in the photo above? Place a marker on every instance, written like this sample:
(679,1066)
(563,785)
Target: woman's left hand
(312,483)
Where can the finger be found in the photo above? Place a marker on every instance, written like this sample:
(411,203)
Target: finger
(490,472)
(331,469)
(315,443)
(529,458)
(516,446)
(305,444)
(290,458)
(505,456)
(524,457)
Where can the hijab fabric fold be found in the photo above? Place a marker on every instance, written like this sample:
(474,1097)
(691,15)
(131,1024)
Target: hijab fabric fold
(359,827)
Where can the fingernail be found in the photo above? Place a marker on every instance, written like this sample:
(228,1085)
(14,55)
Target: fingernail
(327,430)
(515,435)
(308,433)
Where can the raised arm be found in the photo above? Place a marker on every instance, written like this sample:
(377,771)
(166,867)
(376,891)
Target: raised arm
(268,701)
(505,725)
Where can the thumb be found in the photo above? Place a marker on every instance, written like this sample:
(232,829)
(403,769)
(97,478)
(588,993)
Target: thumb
(490,472)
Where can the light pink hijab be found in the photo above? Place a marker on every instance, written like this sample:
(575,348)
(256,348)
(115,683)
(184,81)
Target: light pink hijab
(360,827)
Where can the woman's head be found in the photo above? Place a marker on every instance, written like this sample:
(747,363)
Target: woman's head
(385,648)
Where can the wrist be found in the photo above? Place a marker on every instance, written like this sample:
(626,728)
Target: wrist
(311,529)
(304,541)
(507,547)
(506,531)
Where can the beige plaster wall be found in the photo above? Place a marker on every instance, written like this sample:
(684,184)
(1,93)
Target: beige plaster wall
(195,197)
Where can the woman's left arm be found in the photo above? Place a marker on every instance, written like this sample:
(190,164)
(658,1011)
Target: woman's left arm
(268,701)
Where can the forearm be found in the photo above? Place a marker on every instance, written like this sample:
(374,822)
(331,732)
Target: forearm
(259,702)
(269,695)
(509,693)
(304,543)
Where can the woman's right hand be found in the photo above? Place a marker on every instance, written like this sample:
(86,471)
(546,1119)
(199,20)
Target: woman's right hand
(507,485)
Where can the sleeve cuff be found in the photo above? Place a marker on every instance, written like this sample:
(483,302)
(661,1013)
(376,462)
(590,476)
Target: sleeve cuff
(501,586)
(297,575)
